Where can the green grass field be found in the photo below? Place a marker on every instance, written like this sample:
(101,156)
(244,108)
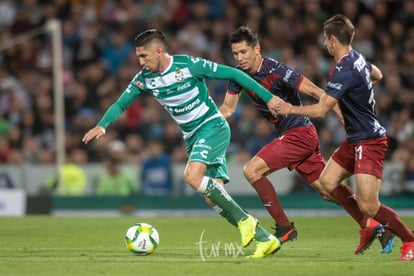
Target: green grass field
(47,245)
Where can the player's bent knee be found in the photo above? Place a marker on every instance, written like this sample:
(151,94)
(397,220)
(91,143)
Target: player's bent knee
(192,180)
(250,173)
(328,185)
(367,208)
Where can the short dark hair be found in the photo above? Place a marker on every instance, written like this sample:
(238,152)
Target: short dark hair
(244,33)
(341,27)
(148,36)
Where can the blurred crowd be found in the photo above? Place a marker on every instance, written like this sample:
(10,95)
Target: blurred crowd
(99,61)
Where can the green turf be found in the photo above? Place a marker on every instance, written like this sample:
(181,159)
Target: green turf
(43,245)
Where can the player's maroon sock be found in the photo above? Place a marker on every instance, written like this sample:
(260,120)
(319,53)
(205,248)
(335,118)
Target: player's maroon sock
(267,194)
(346,197)
(387,216)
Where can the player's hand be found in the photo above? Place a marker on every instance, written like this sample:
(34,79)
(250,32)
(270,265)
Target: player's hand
(95,132)
(283,108)
(272,105)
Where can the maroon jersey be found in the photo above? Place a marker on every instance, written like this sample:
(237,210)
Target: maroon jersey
(350,83)
(281,81)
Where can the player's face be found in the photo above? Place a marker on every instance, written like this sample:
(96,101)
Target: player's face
(149,56)
(246,56)
(328,42)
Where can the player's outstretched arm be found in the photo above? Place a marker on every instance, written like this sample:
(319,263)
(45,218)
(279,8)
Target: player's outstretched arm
(229,73)
(307,87)
(319,110)
(110,116)
(95,132)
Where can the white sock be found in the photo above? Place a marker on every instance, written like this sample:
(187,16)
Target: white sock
(203,185)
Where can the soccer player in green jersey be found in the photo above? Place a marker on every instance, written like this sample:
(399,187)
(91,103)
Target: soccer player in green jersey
(178,82)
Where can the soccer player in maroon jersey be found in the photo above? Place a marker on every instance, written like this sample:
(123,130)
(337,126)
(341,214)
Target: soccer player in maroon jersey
(297,147)
(350,84)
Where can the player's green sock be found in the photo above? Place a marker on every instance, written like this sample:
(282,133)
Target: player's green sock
(225,215)
(261,234)
(219,196)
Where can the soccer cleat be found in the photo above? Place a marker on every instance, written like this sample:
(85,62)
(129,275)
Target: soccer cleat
(247,229)
(266,248)
(387,241)
(367,236)
(285,233)
(407,251)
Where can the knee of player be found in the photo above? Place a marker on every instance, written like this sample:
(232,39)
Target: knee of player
(327,184)
(322,191)
(329,198)
(368,208)
(192,179)
(250,173)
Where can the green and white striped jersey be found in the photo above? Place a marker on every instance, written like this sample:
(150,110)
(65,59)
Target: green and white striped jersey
(181,89)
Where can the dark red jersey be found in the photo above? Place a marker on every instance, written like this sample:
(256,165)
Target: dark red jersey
(281,81)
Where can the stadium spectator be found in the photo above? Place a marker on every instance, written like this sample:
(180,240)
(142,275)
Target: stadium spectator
(156,171)
(115,181)
(6,181)
(73,177)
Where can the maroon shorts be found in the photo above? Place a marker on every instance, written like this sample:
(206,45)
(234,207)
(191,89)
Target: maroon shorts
(365,157)
(298,149)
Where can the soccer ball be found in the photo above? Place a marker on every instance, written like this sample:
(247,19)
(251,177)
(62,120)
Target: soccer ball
(142,239)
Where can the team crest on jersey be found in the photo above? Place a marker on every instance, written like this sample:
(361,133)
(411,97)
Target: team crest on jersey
(179,76)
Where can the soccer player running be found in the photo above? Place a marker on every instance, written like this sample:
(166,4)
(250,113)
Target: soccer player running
(350,84)
(178,82)
(297,147)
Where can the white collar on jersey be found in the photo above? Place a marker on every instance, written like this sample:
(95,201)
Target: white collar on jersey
(260,65)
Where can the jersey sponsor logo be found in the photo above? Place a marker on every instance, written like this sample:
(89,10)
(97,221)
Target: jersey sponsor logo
(184,86)
(184,109)
(334,85)
(287,75)
(339,68)
(201,144)
(138,84)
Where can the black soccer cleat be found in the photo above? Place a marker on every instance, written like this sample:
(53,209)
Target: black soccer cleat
(285,233)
